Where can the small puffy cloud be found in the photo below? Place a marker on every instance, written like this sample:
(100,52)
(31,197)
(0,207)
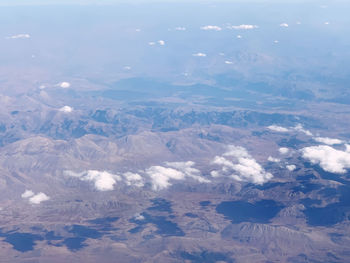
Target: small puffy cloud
(66,109)
(214,28)
(228,62)
(330,159)
(27,194)
(283,150)
(239,36)
(161,42)
(151,43)
(291,167)
(284,25)
(133,179)
(161,176)
(238,164)
(276,41)
(328,141)
(274,160)
(180,28)
(64,85)
(347,147)
(38,198)
(326,23)
(276,128)
(103,181)
(199,55)
(35,198)
(127,68)
(243,27)
(188,170)
(300,128)
(139,217)
(19,36)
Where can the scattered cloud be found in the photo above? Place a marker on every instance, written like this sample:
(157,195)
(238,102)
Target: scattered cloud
(276,128)
(66,109)
(214,28)
(238,164)
(199,55)
(300,128)
(330,159)
(326,23)
(159,42)
(328,141)
(283,150)
(239,36)
(180,28)
(64,85)
(103,181)
(34,198)
(347,146)
(161,176)
(291,167)
(19,36)
(242,27)
(276,41)
(127,68)
(38,198)
(138,30)
(284,25)
(133,179)
(27,194)
(274,160)
(228,62)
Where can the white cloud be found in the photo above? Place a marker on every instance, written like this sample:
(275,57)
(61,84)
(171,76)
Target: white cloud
(284,25)
(133,179)
(328,141)
(243,27)
(330,159)
(239,36)
(180,28)
(276,41)
(199,55)
(139,217)
(291,167)
(103,181)
(228,62)
(326,23)
(347,146)
(300,128)
(21,36)
(38,198)
(151,43)
(66,109)
(27,194)
(188,170)
(127,68)
(138,30)
(274,160)
(215,28)
(283,150)
(161,42)
(238,164)
(276,128)
(64,85)
(161,177)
